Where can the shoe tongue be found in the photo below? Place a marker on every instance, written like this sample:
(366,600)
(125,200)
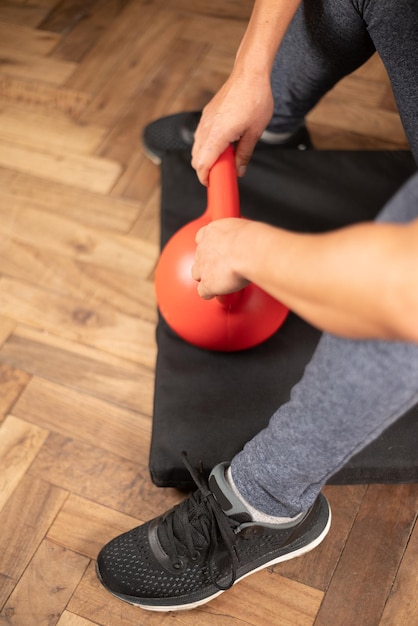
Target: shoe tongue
(192,512)
(225,497)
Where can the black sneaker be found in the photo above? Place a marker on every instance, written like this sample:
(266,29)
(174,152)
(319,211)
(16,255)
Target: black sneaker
(176,132)
(201,547)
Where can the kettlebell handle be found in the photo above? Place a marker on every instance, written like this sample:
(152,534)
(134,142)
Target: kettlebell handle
(222,192)
(223,201)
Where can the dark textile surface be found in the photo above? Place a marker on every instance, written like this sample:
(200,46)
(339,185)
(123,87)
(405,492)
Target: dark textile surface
(211,403)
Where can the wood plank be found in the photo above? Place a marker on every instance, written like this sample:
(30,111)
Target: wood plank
(134,296)
(60,235)
(135,70)
(22,14)
(20,442)
(7,325)
(196,93)
(371,558)
(26,39)
(223,35)
(330,138)
(46,586)
(129,385)
(25,520)
(157,96)
(7,176)
(77,415)
(138,183)
(217,59)
(233,10)
(98,65)
(102,477)
(6,587)
(81,205)
(70,619)
(360,91)
(373,70)
(402,605)
(93,322)
(86,33)
(92,602)
(12,383)
(66,15)
(380,124)
(317,567)
(48,132)
(148,223)
(256,600)
(72,278)
(85,527)
(33,67)
(82,171)
(37,96)
(259,599)
(388,102)
(42,4)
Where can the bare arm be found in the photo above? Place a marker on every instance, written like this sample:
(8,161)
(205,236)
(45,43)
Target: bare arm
(242,108)
(360,281)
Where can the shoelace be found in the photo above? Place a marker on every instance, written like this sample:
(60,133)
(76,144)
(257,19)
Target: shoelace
(196,523)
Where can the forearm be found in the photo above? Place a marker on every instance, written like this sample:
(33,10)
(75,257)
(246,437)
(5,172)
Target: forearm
(265,31)
(360,281)
(243,106)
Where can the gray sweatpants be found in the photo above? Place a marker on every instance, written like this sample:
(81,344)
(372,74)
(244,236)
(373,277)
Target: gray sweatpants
(328,39)
(351,390)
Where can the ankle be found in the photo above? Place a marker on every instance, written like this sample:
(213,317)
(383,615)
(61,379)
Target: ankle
(256,514)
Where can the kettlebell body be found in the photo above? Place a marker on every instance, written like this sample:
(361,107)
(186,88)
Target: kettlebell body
(227,323)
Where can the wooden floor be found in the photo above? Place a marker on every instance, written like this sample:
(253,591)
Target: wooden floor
(79,206)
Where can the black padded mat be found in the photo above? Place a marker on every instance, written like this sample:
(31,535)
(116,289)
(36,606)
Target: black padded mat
(210,403)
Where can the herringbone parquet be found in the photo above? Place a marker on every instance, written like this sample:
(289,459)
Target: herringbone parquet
(79,207)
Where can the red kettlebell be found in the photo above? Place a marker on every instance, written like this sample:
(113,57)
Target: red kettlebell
(227,323)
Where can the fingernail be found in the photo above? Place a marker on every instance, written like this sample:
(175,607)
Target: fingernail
(241,170)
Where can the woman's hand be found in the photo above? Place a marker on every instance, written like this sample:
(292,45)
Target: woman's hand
(239,112)
(214,259)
